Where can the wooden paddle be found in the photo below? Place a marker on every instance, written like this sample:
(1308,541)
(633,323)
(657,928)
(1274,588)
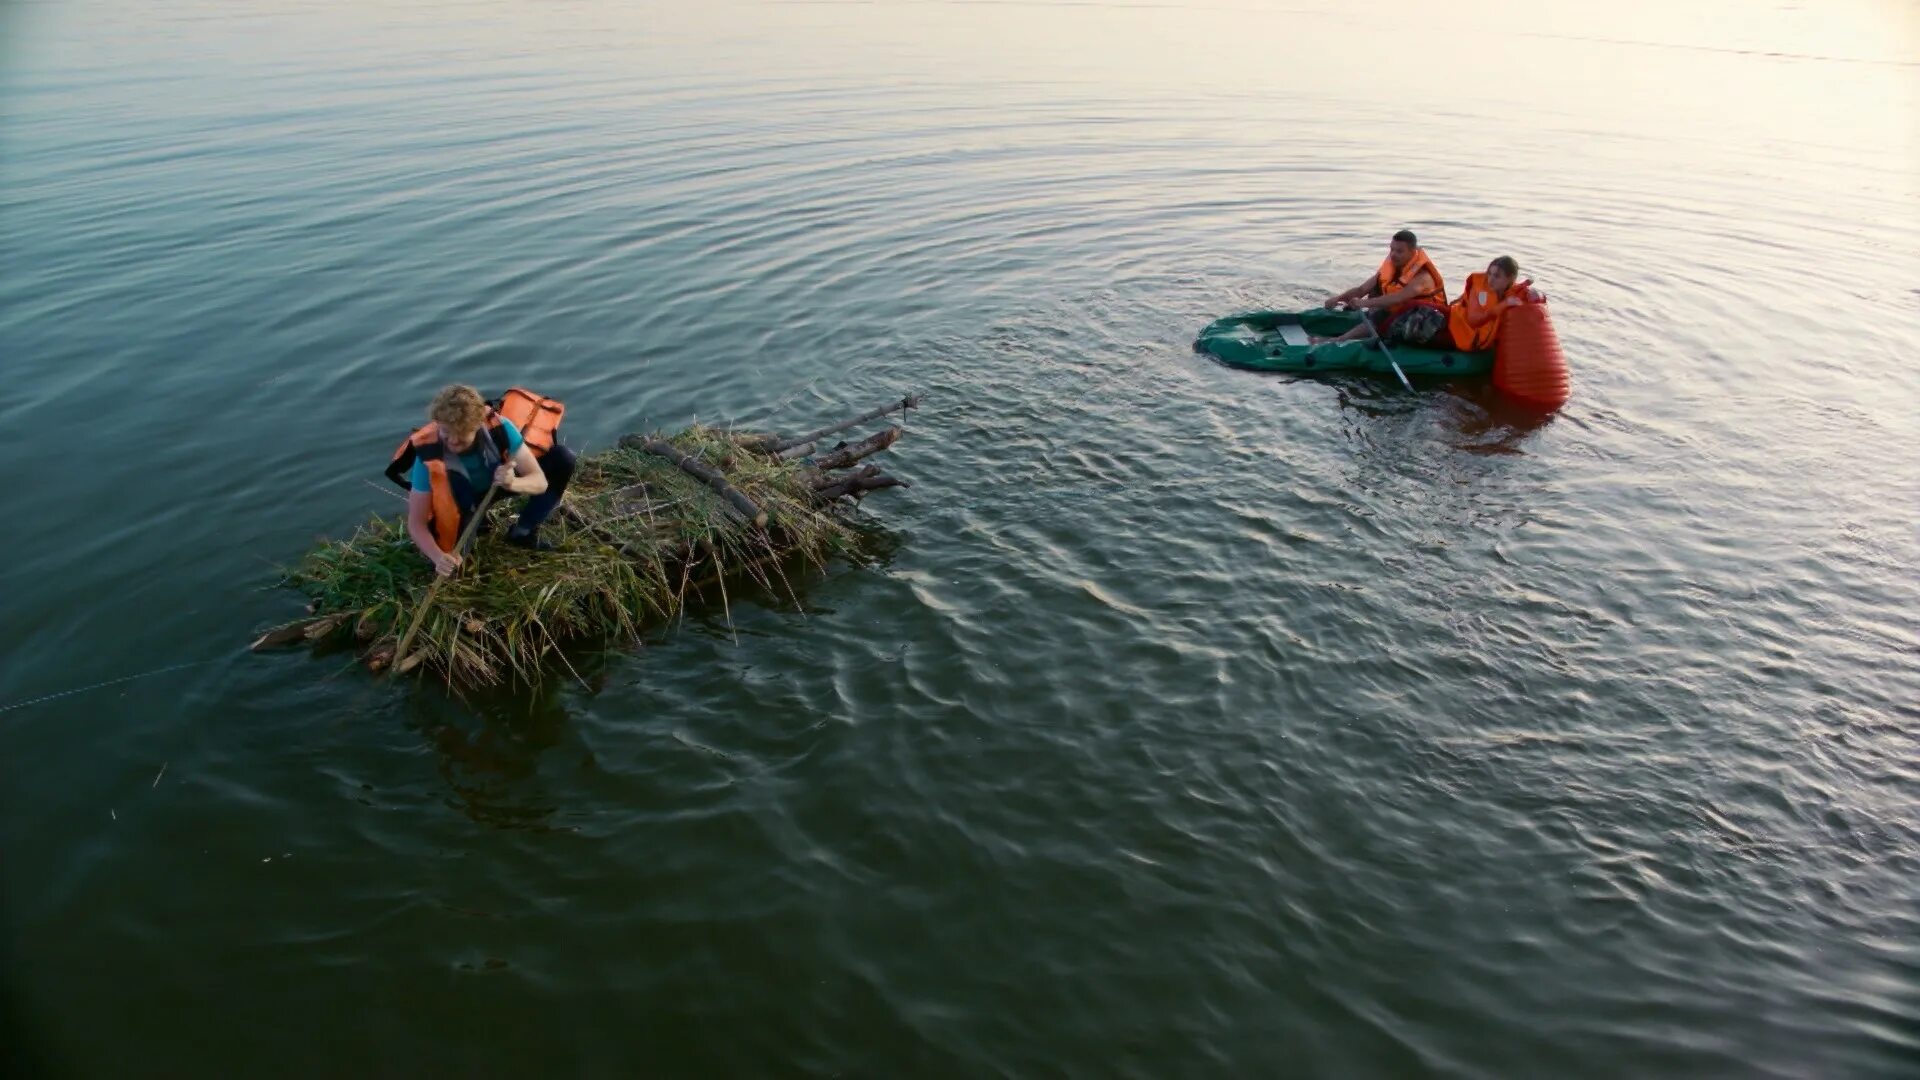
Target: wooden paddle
(459,548)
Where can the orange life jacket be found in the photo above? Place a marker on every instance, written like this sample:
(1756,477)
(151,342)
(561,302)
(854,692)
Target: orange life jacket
(538,419)
(1393,280)
(1478,301)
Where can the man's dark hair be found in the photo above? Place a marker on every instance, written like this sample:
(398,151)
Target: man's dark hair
(1505,262)
(1406,237)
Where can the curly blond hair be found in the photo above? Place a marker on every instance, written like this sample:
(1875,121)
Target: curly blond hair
(460,408)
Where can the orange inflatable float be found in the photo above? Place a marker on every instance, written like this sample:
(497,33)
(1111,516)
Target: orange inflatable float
(1528,365)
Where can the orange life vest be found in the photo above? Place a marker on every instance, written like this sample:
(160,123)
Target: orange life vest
(1393,280)
(1478,302)
(538,419)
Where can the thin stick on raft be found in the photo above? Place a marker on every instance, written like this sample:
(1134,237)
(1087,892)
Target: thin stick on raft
(911,401)
(581,521)
(713,579)
(701,471)
(401,658)
(867,447)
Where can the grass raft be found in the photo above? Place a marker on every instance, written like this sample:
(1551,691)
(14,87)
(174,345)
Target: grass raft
(644,527)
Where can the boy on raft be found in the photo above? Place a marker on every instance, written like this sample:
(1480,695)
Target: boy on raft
(1406,301)
(450,467)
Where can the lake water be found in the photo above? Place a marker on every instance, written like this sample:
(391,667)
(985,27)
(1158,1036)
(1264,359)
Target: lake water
(1187,722)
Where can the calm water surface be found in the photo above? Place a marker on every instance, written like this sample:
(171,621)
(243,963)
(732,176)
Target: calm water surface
(1188,722)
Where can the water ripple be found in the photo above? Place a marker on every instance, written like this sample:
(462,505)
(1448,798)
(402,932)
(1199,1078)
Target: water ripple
(1178,718)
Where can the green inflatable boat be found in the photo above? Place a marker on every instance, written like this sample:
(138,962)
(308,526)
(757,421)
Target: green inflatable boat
(1277,341)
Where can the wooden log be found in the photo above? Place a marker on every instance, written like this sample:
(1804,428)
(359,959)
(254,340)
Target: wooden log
(320,628)
(867,447)
(857,484)
(281,635)
(911,401)
(875,483)
(859,487)
(837,489)
(760,442)
(380,657)
(821,483)
(298,632)
(800,451)
(701,471)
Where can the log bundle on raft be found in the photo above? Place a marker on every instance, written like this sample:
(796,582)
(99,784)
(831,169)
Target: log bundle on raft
(644,527)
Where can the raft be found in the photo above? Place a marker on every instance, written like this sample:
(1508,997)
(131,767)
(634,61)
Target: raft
(1277,341)
(647,526)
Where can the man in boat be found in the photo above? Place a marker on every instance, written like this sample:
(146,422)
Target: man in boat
(1405,299)
(467,446)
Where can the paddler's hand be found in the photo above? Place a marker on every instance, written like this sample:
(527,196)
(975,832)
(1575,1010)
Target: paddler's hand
(1333,303)
(503,477)
(445,563)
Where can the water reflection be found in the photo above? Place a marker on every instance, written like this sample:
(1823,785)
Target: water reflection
(1488,422)
(490,741)
(489,745)
(1475,418)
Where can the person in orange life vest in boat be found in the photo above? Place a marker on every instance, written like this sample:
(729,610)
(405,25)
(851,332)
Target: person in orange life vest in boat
(1405,299)
(466,447)
(1473,321)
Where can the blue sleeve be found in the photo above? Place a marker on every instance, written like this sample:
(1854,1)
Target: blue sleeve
(418,479)
(514,439)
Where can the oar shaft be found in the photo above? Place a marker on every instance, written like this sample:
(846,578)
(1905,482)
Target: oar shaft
(1382,342)
(459,547)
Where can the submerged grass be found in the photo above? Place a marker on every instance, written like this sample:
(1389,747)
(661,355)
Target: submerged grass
(636,536)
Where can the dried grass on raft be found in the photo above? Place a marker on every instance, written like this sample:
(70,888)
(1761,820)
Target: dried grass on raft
(636,534)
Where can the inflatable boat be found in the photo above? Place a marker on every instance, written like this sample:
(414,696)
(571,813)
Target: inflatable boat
(1278,341)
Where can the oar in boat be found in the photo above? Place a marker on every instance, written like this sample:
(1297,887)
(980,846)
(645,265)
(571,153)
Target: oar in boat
(459,548)
(1382,342)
